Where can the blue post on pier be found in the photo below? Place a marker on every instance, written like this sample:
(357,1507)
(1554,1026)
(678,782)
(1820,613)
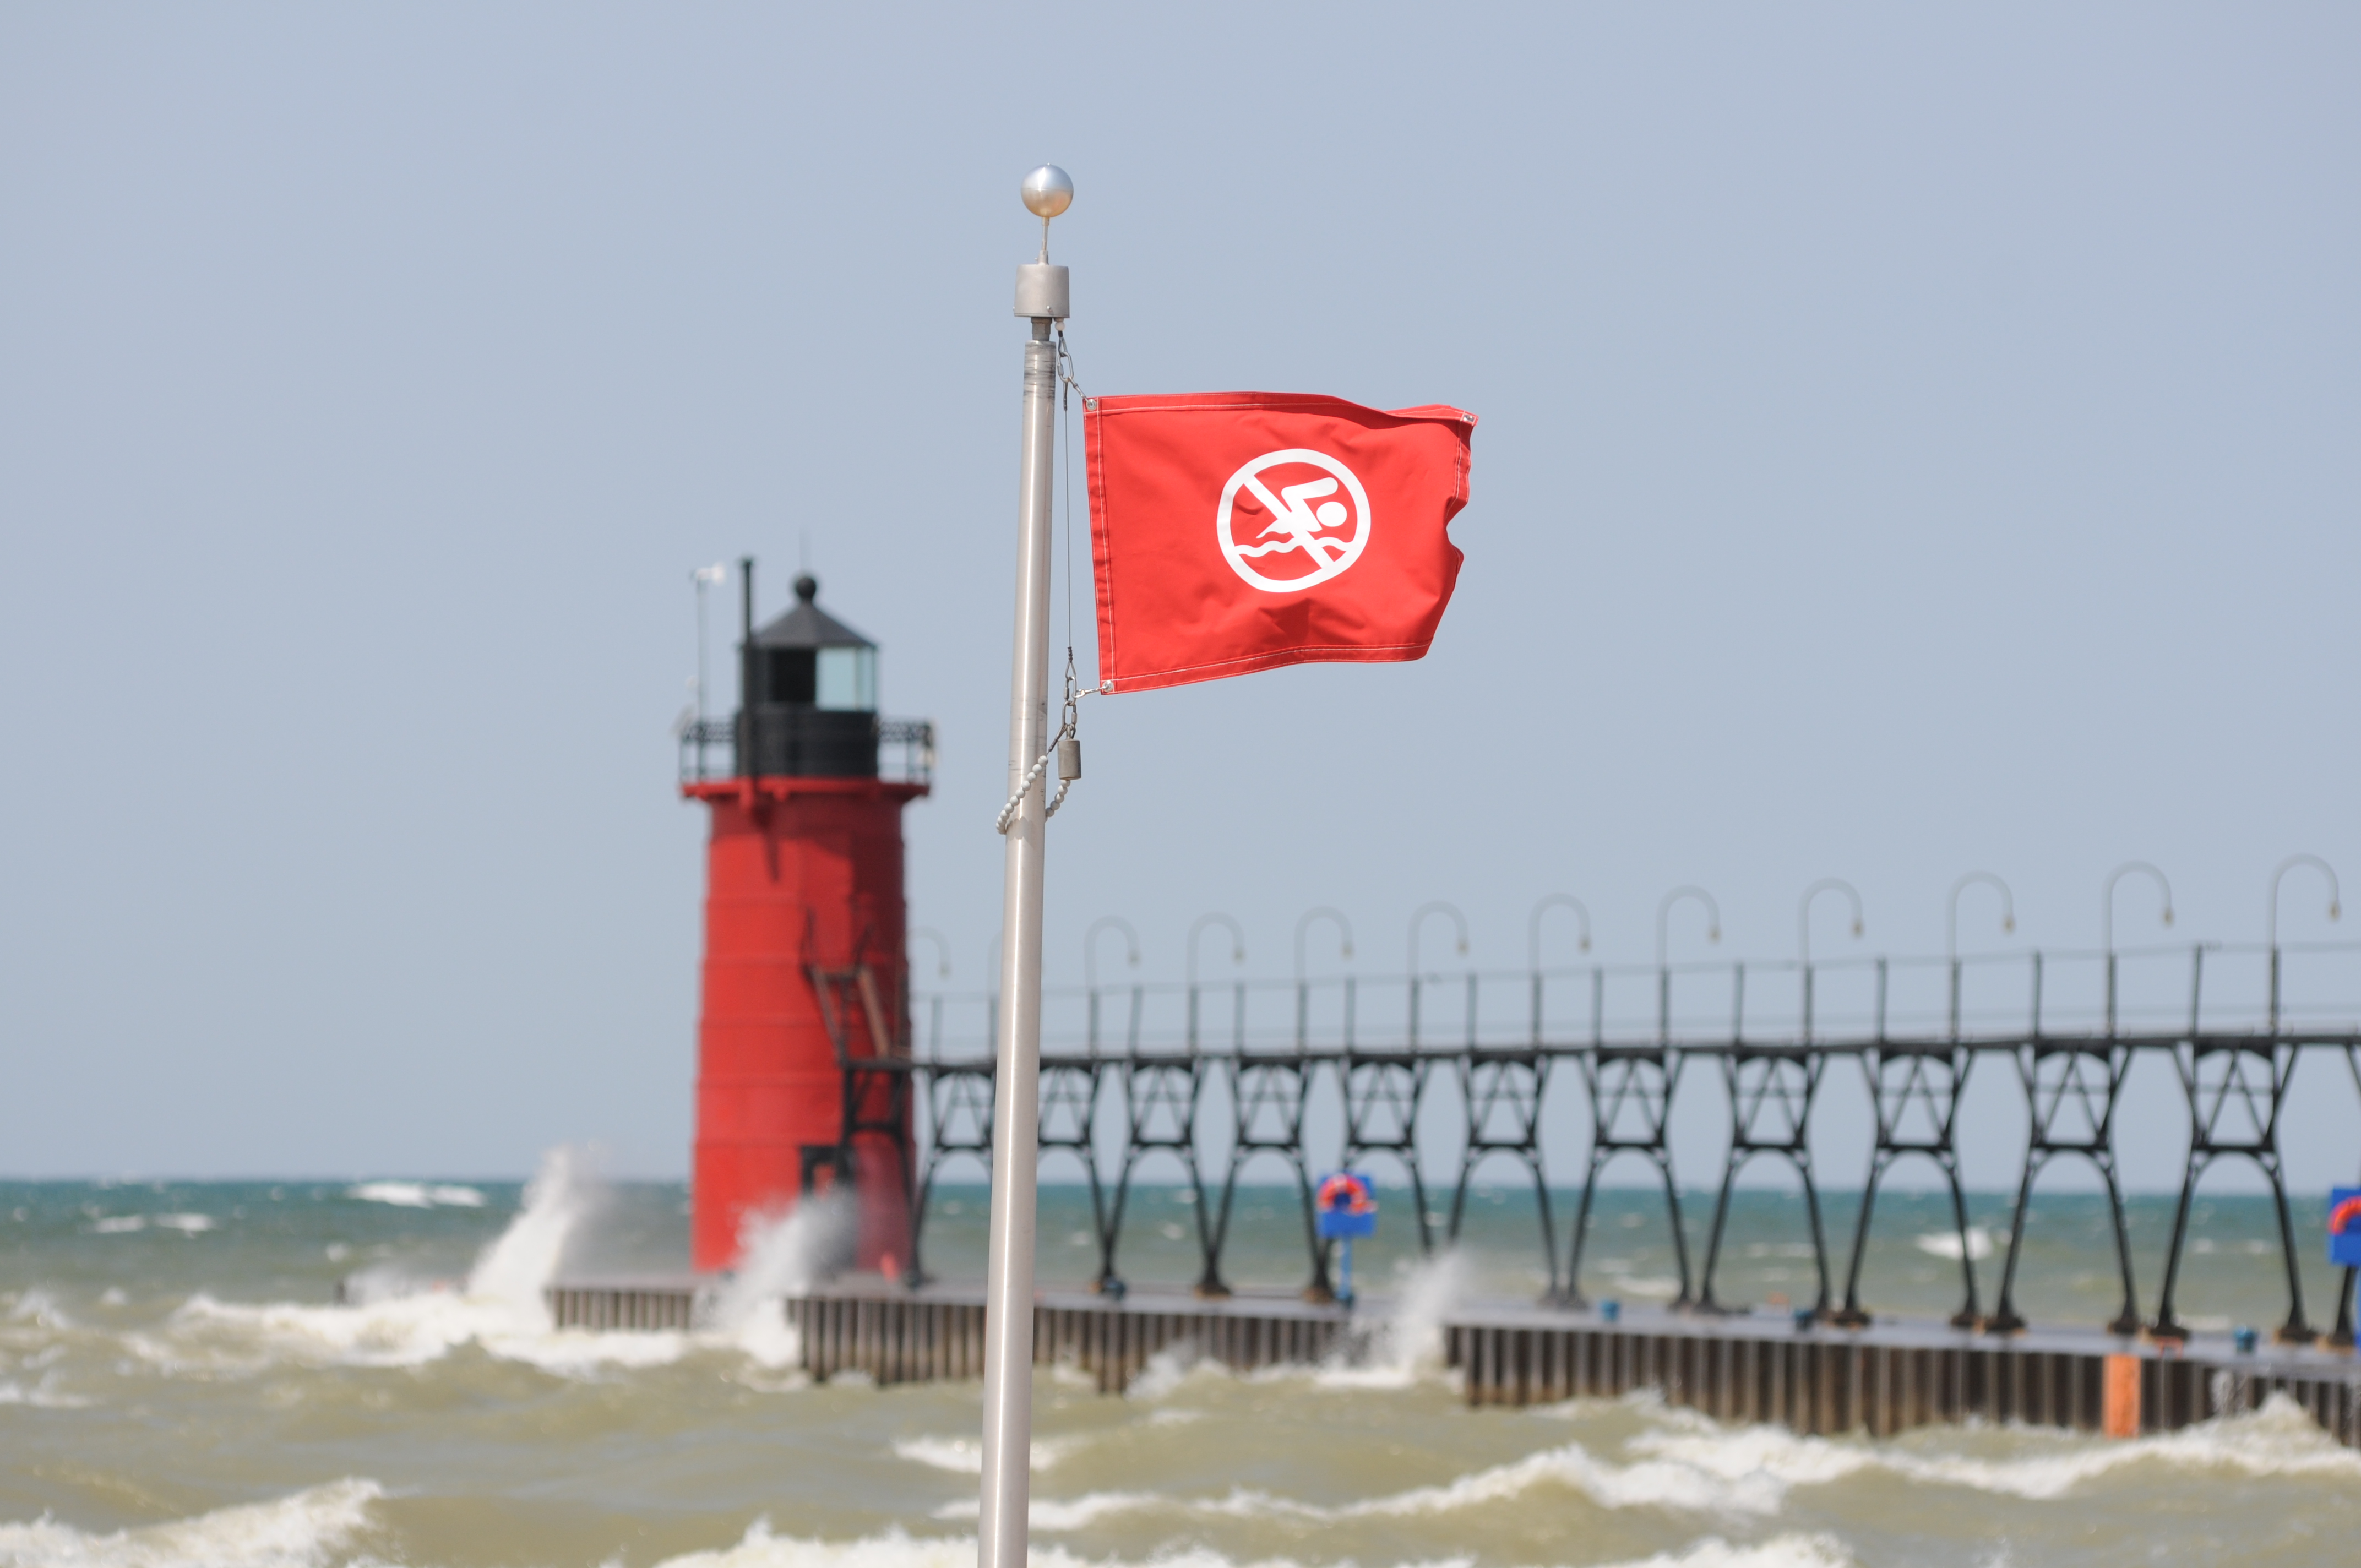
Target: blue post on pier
(1345,1208)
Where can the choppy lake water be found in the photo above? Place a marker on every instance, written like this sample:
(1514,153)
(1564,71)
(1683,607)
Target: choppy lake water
(177,1386)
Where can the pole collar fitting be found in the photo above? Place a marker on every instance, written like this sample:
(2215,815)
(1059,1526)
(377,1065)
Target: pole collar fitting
(1042,291)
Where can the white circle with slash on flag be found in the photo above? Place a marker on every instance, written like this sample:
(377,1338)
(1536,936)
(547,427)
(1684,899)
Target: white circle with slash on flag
(1284,523)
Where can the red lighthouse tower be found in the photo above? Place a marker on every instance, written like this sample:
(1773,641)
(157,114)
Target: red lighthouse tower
(802,1040)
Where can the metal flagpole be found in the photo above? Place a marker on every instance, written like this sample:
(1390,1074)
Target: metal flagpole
(1041,298)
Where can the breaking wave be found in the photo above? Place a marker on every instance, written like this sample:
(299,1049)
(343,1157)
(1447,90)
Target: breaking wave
(762,1549)
(389,1320)
(1688,1464)
(298,1531)
(322,1524)
(396,1321)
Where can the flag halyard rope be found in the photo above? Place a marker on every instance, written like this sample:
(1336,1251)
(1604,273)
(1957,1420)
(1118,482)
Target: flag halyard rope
(1066,745)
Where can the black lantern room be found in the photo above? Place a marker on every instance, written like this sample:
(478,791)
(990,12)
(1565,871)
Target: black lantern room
(809,681)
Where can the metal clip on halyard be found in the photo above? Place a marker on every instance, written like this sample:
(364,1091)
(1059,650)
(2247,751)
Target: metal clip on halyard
(1066,746)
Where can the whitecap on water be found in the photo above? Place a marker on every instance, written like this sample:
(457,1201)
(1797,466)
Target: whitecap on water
(894,1548)
(417,1194)
(1685,1464)
(2279,1439)
(1945,1243)
(1650,1484)
(325,1523)
(44,1395)
(964,1456)
(297,1531)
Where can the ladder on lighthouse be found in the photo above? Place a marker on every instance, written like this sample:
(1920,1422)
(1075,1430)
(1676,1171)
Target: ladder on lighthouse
(872,1055)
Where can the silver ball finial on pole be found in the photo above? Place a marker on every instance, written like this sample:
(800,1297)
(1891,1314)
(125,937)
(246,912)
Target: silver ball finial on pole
(1042,292)
(1049,191)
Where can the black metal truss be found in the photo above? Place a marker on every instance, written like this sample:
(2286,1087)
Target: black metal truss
(1915,1091)
(2235,1086)
(1630,1098)
(1772,1091)
(1160,1098)
(1383,1092)
(1267,1095)
(1502,1093)
(2342,1335)
(2071,1088)
(1068,1118)
(958,1122)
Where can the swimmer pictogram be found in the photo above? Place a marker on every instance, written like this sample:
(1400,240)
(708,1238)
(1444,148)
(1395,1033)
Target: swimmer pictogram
(1283,542)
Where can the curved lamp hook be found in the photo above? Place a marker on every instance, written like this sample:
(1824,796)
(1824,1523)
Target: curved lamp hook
(1665,915)
(1238,941)
(1344,928)
(1533,926)
(2107,900)
(1952,917)
(1804,912)
(942,949)
(2271,927)
(1437,907)
(1091,945)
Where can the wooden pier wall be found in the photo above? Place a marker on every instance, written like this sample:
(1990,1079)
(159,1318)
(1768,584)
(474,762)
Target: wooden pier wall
(1817,1380)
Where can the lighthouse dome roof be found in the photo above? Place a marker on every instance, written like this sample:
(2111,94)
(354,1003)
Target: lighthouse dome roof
(807,625)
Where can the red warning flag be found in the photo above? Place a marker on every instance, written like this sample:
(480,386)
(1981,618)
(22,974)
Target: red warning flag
(1234,531)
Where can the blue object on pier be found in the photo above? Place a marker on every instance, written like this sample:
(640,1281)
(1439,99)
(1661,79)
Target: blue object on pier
(2345,1226)
(2243,1340)
(1345,1206)
(1610,1311)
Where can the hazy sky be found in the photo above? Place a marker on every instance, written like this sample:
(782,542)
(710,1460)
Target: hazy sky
(1914,439)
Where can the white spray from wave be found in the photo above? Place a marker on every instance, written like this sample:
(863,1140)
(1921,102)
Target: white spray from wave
(403,1322)
(514,1269)
(1392,1351)
(1407,1343)
(783,1256)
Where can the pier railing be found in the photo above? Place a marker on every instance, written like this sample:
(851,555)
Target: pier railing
(1186,1072)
